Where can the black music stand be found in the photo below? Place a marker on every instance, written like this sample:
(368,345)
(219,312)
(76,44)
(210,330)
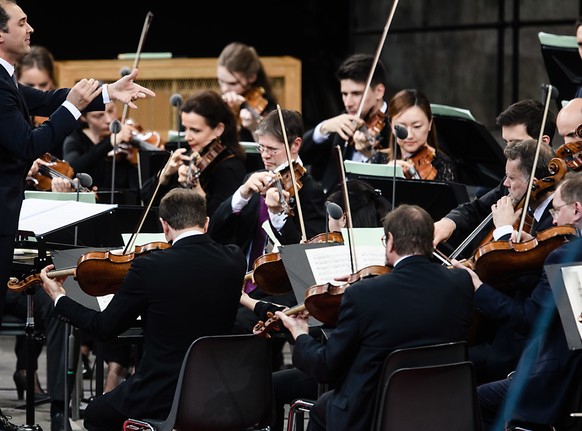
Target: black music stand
(436,197)
(477,155)
(563,64)
(565,281)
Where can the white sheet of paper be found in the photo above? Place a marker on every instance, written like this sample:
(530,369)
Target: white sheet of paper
(572,276)
(331,262)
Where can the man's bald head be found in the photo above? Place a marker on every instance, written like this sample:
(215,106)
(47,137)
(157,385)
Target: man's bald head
(568,120)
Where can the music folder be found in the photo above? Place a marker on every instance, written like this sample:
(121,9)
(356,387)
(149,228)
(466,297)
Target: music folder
(566,284)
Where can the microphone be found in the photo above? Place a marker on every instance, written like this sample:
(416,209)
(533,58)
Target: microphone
(335,212)
(124,71)
(85,180)
(546,88)
(176,100)
(115,126)
(400,132)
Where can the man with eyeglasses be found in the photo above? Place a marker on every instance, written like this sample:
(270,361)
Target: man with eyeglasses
(547,375)
(239,219)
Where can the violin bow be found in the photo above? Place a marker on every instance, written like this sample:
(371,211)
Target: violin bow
(550,90)
(349,223)
(292,172)
(131,242)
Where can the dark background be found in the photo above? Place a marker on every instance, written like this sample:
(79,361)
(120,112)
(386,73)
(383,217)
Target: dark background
(316,32)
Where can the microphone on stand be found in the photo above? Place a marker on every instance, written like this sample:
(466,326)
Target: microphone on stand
(83,180)
(124,71)
(176,100)
(335,212)
(115,128)
(400,132)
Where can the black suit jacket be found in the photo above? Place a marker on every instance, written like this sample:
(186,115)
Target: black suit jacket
(21,143)
(547,364)
(419,302)
(183,292)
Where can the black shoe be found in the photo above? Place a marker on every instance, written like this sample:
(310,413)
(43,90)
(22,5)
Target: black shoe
(20,382)
(58,422)
(5,424)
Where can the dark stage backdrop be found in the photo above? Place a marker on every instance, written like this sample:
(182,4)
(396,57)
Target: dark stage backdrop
(316,32)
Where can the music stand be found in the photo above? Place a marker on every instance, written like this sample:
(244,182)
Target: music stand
(566,284)
(477,155)
(563,64)
(436,197)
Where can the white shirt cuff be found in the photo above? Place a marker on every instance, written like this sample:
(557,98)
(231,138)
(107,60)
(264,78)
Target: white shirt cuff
(105,93)
(238,202)
(59,296)
(72,109)
(502,231)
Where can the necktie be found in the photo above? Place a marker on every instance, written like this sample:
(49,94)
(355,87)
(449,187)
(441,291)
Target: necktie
(14,79)
(259,240)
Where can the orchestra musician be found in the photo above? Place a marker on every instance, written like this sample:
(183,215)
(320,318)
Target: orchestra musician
(245,86)
(238,220)
(547,375)
(209,170)
(89,149)
(178,290)
(568,120)
(347,129)
(21,143)
(352,357)
(418,154)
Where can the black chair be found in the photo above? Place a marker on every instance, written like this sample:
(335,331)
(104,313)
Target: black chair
(435,397)
(225,384)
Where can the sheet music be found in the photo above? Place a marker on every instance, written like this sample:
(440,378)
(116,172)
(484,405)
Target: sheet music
(331,262)
(572,276)
(43,216)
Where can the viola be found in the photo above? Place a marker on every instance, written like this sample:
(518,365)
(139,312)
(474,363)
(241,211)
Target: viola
(498,262)
(255,102)
(322,301)
(198,163)
(373,128)
(54,168)
(97,272)
(571,153)
(423,168)
(141,139)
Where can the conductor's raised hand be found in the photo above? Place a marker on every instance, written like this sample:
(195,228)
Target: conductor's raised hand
(127,91)
(84,92)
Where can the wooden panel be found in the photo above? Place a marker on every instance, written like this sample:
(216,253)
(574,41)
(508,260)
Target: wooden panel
(179,75)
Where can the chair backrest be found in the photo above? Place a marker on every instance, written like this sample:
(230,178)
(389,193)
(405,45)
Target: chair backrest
(435,397)
(418,356)
(225,384)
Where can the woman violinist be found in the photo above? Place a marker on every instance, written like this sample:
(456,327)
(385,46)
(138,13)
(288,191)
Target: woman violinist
(418,153)
(245,86)
(215,166)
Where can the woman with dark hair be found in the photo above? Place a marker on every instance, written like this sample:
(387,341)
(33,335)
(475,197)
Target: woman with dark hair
(418,152)
(215,166)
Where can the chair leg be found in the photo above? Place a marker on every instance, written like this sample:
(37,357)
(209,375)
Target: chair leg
(296,414)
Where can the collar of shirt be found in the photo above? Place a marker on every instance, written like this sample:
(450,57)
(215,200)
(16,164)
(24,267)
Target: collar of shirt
(9,67)
(542,207)
(187,234)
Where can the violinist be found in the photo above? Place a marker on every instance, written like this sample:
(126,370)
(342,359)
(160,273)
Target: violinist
(245,86)
(347,129)
(375,318)
(418,153)
(186,291)
(239,218)
(89,150)
(545,378)
(215,164)
(568,121)
(520,121)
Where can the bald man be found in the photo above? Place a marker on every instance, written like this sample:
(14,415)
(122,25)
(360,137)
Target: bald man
(568,120)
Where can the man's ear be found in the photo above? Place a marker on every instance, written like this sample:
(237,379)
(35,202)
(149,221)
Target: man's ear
(206,224)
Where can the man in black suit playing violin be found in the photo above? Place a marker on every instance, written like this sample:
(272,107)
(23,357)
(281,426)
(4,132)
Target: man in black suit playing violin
(239,219)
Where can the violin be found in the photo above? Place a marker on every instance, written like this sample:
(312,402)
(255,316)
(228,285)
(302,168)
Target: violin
(255,102)
(97,272)
(322,301)
(198,163)
(571,153)
(54,168)
(147,140)
(422,168)
(373,127)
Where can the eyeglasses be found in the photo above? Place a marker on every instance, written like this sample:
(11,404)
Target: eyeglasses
(554,211)
(383,239)
(268,150)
